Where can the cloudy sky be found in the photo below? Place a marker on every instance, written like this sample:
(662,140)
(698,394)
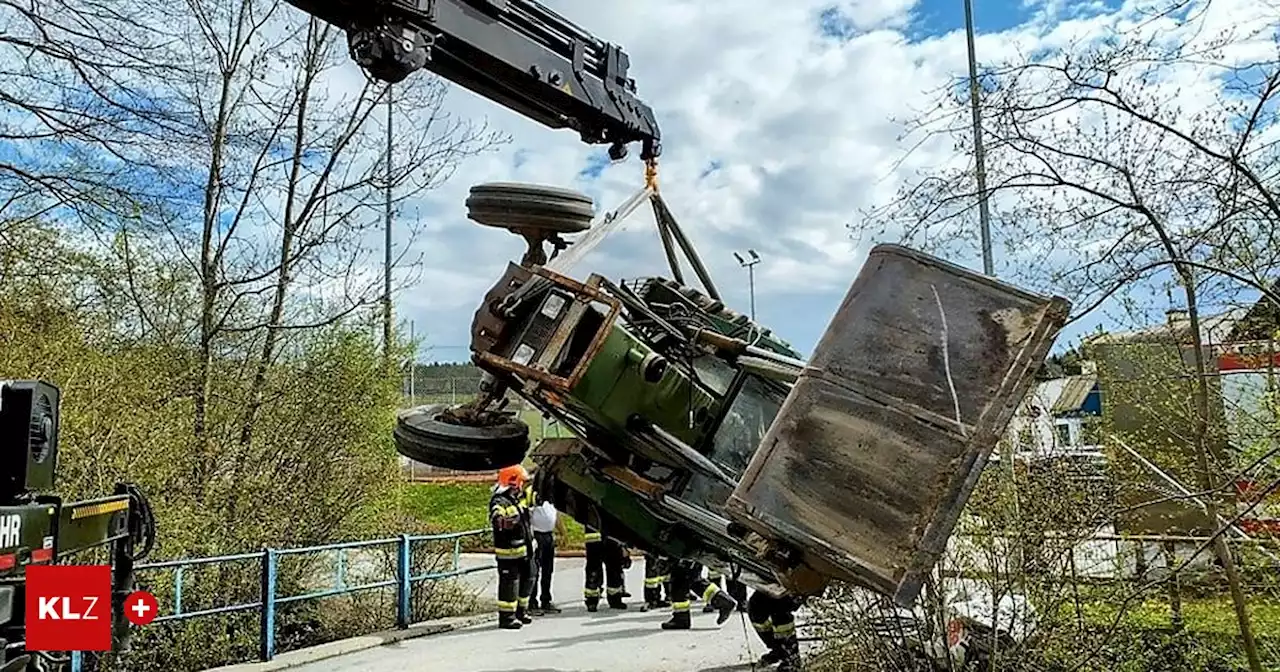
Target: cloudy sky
(781,121)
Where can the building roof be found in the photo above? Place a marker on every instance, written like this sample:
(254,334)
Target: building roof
(1215,328)
(1075,390)
(1061,396)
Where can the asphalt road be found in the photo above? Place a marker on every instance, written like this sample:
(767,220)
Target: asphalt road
(572,641)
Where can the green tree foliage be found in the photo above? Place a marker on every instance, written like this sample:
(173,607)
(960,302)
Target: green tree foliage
(320,466)
(187,227)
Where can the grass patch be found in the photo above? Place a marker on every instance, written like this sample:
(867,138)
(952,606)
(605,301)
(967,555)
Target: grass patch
(448,507)
(1208,615)
(455,507)
(538,429)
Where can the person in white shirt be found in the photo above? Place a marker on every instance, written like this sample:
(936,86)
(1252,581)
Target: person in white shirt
(544,521)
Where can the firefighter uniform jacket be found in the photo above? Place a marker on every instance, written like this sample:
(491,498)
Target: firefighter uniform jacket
(528,500)
(510,523)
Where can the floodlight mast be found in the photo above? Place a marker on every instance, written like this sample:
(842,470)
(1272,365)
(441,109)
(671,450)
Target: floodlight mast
(751,276)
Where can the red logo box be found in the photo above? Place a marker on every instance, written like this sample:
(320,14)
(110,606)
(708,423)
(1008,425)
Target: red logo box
(68,608)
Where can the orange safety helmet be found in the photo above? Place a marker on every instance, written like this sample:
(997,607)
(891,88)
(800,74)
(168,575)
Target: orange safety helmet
(513,476)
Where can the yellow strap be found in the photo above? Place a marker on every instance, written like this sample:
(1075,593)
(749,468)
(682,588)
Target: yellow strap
(665,578)
(654,581)
(680,606)
(524,602)
(784,629)
(590,592)
(710,592)
(615,591)
(592,536)
(763,627)
(508,553)
(506,606)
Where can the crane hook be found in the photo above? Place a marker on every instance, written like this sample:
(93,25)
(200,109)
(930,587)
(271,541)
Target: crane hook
(651,175)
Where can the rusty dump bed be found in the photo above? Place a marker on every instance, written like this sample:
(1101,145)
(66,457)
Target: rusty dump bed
(880,442)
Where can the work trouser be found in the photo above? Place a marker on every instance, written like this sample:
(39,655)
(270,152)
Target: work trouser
(687,579)
(543,566)
(615,577)
(515,582)
(774,621)
(656,576)
(604,564)
(594,579)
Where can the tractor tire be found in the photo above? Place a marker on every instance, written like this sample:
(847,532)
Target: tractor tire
(422,436)
(530,207)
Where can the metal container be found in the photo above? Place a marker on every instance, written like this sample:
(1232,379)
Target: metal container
(864,472)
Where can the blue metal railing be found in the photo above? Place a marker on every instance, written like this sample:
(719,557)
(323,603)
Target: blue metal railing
(270,599)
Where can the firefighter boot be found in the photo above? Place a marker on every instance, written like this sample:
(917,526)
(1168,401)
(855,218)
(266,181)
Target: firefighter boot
(593,604)
(508,621)
(791,662)
(680,620)
(724,604)
(617,599)
(771,657)
(522,616)
(789,647)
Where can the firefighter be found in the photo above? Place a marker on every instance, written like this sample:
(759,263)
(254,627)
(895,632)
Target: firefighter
(657,576)
(774,621)
(511,537)
(604,565)
(686,578)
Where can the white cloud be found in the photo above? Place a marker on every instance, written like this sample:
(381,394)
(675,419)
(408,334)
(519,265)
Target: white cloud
(805,132)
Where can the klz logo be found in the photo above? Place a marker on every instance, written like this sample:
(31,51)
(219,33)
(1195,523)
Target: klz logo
(60,609)
(10,531)
(68,608)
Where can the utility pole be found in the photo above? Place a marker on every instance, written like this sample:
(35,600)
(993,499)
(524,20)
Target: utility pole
(413,367)
(984,227)
(750,265)
(386,259)
(979,153)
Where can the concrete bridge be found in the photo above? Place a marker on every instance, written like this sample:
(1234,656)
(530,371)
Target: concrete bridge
(572,641)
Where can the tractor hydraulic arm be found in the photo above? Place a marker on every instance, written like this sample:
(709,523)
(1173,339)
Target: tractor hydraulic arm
(515,52)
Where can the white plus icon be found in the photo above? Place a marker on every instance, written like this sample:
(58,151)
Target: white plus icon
(141,608)
(143,603)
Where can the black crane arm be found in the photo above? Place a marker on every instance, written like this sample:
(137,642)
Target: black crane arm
(518,53)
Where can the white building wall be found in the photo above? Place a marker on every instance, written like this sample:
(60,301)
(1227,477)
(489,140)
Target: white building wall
(1035,433)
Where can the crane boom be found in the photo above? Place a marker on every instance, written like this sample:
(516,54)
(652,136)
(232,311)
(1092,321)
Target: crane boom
(518,53)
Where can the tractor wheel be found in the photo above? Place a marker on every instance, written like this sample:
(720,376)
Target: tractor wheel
(421,434)
(530,207)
